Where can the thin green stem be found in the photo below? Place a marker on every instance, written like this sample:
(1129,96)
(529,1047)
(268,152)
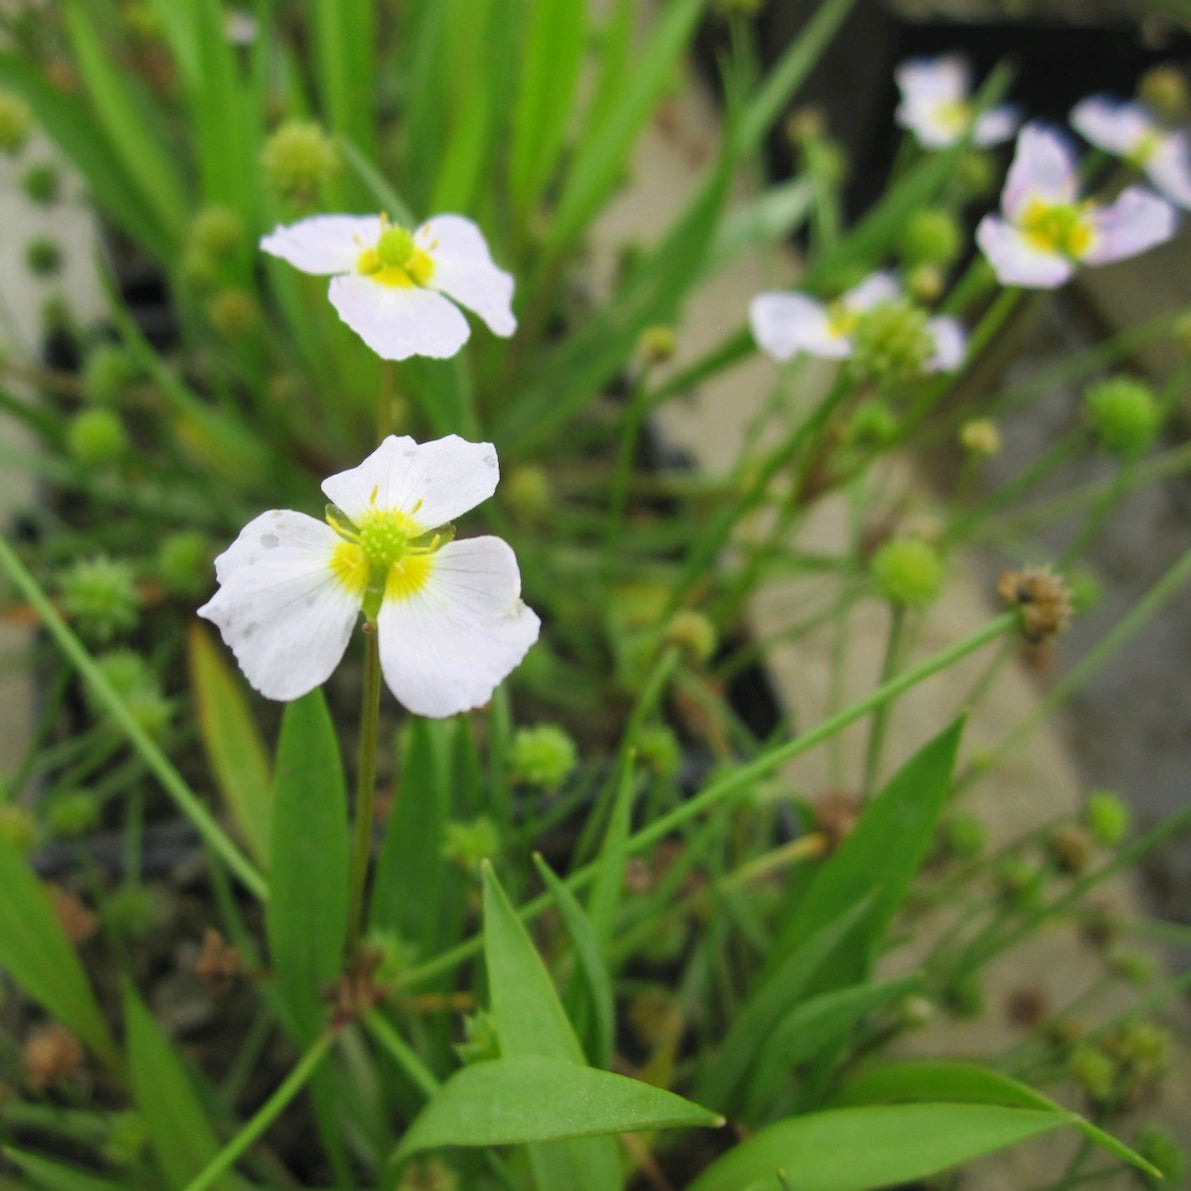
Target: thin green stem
(361,846)
(630,432)
(880,722)
(407,1058)
(171,780)
(265,1115)
(741,778)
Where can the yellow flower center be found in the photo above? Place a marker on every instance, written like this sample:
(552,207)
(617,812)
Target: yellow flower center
(1058,227)
(1147,145)
(840,320)
(395,260)
(954,115)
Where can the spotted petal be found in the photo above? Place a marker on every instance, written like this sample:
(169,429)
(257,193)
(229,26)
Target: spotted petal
(1134,222)
(465,271)
(1018,261)
(399,321)
(1113,125)
(280,607)
(431,482)
(951,344)
(324,244)
(445,648)
(785,324)
(1043,167)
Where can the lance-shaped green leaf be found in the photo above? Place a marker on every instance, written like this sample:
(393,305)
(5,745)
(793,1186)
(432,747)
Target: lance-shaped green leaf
(36,953)
(856,1149)
(47,1174)
(959,1082)
(532,1098)
(232,742)
(306,915)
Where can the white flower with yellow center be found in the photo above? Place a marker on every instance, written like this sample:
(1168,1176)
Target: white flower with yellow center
(784,324)
(448,614)
(397,289)
(1128,130)
(935,104)
(1047,230)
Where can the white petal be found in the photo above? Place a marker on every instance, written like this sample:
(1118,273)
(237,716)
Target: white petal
(1135,221)
(1043,167)
(399,321)
(874,290)
(464,270)
(1111,124)
(945,78)
(445,649)
(324,244)
(279,606)
(996,125)
(1169,168)
(1015,260)
(951,344)
(431,482)
(785,324)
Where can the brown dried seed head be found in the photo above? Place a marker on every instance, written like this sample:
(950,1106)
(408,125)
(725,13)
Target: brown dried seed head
(218,966)
(77,921)
(51,1053)
(1043,597)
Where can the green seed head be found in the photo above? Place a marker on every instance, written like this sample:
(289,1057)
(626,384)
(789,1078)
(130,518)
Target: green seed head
(72,815)
(1164,90)
(543,756)
(468,843)
(657,344)
(233,313)
(1094,1071)
(107,372)
(18,827)
(16,122)
(96,437)
(964,836)
(184,563)
(383,541)
(395,246)
(218,232)
(931,237)
(908,571)
(130,910)
(480,1039)
(299,159)
(100,596)
(892,344)
(659,751)
(1158,1148)
(41,183)
(43,256)
(1124,415)
(527,489)
(127,1139)
(693,633)
(980,436)
(1107,818)
(874,424)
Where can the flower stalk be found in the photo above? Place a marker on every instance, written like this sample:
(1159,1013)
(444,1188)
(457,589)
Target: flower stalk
(361,845)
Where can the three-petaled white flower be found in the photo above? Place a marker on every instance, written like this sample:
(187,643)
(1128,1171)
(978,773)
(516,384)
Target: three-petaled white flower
(1129,130)
(448,614)
(392,286)
(784,324)
(935,104)
(1047,230)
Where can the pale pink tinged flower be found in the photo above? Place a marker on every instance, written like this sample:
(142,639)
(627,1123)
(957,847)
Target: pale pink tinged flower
(1128,130)
(449,618)
(1047,231)
(936,107)
(951,344)
(397,289)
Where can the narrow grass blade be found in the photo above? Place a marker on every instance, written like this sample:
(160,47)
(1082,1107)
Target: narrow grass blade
(605,891)
(46,1174)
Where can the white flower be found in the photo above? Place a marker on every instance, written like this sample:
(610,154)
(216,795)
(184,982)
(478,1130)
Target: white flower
(448,615)
(1047,230)
(388,284)
(785,324)
(936,108)
(1129,130)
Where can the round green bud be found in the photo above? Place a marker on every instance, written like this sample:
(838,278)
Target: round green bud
(657,344)
(56,314)
(126,1140)
(1161,1150)
(96,437)
(395,246)
(874,424)
(826,160)
(198,269)
(183,562)
(892,343)
(1107,818)
(299,159)
(925,283)
(908,571)
(1164,90)
(480,1039)
(218,232)
(43,256)
(1144,1050)
(16,122)
(99,595)
(659,750)
(130,910)
(41,183)
(18,826)
(931,237)
(1123,415)
(107,371)
(693,633)
(964,836)
(527,489)
(1094,1071)
(543,756)
(233,313)
(1086,591)
(467,843)
(74,814)
(1132,966)
(137,687)
(1020,883)
(980,436)
(976,173)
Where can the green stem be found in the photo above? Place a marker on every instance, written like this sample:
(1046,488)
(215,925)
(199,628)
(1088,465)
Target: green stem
(171,780)
(407,1058)
(630,431)
(384,402)
(876,736)
(264,1116)
(732,782)
(361,847)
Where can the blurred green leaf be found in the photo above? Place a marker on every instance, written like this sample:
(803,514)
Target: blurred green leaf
(856,1149)
(768,217)
(306,915)
(37,955)
(232,741)
(532,1098)
(50,1175)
